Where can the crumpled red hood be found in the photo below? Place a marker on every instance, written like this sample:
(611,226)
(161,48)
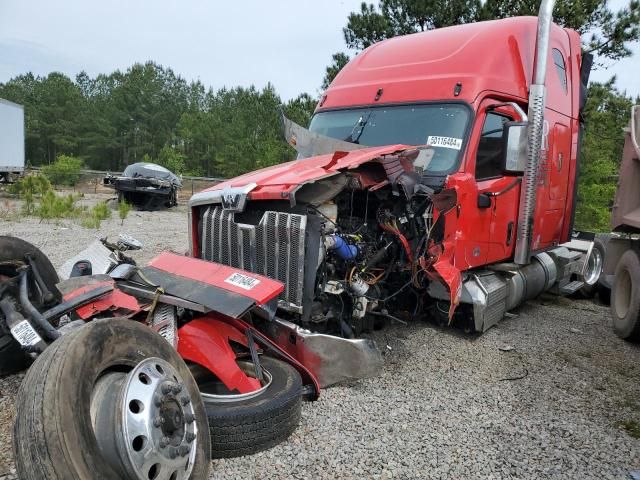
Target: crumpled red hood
(277,181)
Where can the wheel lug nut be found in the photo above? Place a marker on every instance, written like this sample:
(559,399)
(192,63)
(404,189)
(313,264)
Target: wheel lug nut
(189,418)
(166,388)
(184,400)
(177,388)
(157,422)
(157,400)
(184,450)
(164,441)
(190,437)
(173,453)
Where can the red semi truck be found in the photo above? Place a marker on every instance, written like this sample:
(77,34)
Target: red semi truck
(437,177)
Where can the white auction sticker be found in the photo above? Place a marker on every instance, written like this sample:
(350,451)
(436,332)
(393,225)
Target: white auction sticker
(243,281)
(24,333)
(446,142)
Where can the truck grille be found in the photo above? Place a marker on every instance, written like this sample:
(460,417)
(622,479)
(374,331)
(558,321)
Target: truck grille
(274,248)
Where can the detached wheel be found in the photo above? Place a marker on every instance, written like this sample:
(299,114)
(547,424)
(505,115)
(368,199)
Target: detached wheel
(625,297)
(12,358)
(111,400)
(253,422)
(593,269)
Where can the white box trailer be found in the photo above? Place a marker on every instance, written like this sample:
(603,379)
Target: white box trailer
(11,140)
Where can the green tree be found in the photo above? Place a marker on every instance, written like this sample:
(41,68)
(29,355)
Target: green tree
(172,159)
(605,32)
(338,61)
(606,114)
(64,171)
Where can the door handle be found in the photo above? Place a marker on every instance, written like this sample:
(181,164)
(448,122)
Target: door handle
(509,233)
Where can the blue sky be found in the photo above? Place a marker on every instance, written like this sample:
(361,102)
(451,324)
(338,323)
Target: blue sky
(288,42)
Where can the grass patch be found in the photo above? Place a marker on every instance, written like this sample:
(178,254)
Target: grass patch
(632,427)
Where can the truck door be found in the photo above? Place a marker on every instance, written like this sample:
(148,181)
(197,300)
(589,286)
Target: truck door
(553,178)
(559,151)
(498,194)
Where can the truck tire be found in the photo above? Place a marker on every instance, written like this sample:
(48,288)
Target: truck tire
(14,248)
(248,426)
(12,358)
(595,262)
(625,297)
(93,406)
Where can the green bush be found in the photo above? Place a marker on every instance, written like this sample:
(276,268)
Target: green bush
(96,215)
(123,210)
(64,171)
(41,200)
(30,188)
(172,159)
(54,206)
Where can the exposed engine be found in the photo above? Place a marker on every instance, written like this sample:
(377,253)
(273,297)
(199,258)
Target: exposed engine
(345,247)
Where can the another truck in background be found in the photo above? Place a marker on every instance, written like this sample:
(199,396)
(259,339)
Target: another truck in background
(621,272)
(11,140)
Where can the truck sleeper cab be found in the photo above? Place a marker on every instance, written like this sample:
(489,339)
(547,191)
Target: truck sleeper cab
(416,203)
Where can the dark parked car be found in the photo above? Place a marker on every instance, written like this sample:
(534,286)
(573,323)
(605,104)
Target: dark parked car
(146,185)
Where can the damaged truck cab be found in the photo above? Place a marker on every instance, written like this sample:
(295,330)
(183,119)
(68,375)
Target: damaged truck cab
(437,177)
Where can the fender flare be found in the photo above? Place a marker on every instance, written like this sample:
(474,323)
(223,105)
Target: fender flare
(205,341)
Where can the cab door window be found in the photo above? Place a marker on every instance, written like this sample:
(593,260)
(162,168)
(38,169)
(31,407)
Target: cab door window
(491,147)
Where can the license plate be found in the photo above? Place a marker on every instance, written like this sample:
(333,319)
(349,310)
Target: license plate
(24,333)
(243,281)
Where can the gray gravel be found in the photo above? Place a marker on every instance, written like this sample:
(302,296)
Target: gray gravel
(446,405)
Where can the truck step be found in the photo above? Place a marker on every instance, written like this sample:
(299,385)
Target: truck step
(571,287)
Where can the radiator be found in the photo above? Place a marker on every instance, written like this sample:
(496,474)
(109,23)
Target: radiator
(274,247)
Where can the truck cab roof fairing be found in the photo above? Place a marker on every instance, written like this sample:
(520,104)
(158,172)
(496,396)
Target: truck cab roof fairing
(493,56)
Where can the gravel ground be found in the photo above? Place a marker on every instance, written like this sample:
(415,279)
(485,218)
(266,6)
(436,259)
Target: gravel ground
(446,405)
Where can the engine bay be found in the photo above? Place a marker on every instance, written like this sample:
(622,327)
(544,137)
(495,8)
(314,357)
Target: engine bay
(367,273)
(352,248)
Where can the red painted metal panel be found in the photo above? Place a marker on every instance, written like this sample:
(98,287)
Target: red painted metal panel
(114,301)
(205,341)
(495,56)
(278,181)
(217,275)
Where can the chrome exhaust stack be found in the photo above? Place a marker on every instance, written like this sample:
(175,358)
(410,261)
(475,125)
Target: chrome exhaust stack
(537,93)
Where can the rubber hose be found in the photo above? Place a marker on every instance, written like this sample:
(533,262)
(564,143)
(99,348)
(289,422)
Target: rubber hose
(49,331)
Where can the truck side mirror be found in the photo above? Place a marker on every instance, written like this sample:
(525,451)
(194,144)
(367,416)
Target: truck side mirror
(514,138)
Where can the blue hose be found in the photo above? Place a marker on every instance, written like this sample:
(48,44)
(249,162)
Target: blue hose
(344,250)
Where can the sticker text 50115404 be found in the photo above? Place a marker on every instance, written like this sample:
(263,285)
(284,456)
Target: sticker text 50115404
(445,142)
(243,281)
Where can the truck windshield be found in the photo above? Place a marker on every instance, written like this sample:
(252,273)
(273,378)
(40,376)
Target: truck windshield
(441,126)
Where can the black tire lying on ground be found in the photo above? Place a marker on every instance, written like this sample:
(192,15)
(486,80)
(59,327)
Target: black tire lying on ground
(53,435)
(249,426)
(12,358)
(625,297)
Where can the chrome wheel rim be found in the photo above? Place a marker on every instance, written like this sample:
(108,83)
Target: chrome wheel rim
(594,267)
(249,369)
(144,422)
